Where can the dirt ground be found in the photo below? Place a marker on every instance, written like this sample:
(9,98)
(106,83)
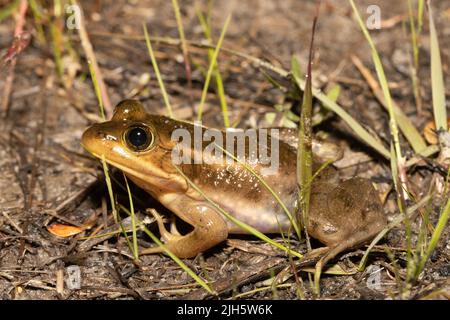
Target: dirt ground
(47,178)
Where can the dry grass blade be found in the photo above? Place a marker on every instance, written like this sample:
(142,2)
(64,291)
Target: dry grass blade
(413,136)
(21,41)
(89,51)
(97,90)
(415,63)
(184,46)
(400,160)
(359,130)
(437,76)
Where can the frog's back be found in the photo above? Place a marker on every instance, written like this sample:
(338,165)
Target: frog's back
(235,188)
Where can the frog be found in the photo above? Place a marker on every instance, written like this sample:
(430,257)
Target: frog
(342,214)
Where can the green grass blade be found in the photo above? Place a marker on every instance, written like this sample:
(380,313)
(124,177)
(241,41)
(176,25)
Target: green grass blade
(97,90)
(354,125)
(211,67)
(219,83)
(296,70)
(109,187)
(334,92)
(383,83)
(304,152)
(8,10)
(397,220)
(420,10)
(330,104)
(158,74)
(396,116)
(133,221)
(437,77)
(442,222)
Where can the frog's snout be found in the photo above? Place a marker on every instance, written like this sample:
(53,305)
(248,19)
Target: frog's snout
(87,137)
(91,137)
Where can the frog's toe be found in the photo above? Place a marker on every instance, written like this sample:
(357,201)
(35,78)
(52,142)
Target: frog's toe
(152,250)
(173,227)
(165,234)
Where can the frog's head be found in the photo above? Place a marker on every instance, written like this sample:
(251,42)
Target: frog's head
(135,142)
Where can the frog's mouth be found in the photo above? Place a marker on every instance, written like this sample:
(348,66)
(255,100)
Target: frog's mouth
(127,169)
(153,177)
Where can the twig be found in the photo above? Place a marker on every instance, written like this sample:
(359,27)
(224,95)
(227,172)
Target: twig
(11,221)
(90,54)
(21,41)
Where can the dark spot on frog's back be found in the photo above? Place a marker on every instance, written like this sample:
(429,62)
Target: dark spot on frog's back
(345,197)
(313,225)
(373,207)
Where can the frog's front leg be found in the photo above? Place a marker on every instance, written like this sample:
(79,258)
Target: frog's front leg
(210,228)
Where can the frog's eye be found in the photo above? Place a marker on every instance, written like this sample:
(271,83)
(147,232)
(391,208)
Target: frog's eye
(138,138)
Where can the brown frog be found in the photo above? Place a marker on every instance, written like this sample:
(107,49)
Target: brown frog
(342,214)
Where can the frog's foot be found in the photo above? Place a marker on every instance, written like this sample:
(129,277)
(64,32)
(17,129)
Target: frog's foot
(173,226)
(152,250)
(312,257)
(165,235)
(351,242)
(209,229)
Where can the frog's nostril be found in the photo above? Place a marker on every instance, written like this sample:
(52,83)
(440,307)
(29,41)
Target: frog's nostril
(101,135)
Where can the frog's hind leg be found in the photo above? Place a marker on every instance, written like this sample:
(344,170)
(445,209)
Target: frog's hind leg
(165,235)
(210,229)
(352,242)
